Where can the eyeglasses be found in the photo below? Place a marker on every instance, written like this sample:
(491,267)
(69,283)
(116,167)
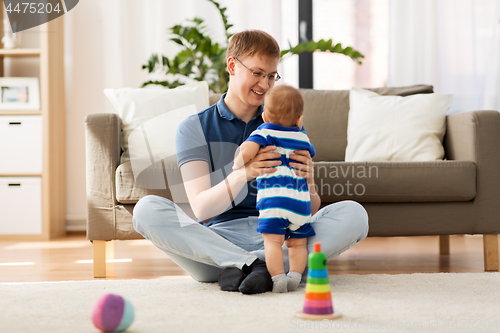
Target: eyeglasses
(273,77)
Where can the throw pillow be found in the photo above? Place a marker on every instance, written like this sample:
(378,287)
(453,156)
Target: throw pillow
(159,111)
(395,128)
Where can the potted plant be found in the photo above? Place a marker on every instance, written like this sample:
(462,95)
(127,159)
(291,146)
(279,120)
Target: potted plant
(203,60)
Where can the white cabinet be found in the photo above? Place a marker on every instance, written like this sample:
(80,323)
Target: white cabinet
(21,145)
(33,142)
(21,199)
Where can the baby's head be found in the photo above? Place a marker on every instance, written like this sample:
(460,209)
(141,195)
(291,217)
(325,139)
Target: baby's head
(284,105)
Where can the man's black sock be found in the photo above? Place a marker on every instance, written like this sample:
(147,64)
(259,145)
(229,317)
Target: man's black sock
(230,279)
(258,279)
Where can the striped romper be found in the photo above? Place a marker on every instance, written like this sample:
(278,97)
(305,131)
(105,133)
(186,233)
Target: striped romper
(283,197)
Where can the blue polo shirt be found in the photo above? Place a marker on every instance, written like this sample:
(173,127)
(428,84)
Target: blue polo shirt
(213,135)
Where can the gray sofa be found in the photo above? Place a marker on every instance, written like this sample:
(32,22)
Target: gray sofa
(457,195)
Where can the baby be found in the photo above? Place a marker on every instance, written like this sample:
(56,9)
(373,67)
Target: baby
(283,197)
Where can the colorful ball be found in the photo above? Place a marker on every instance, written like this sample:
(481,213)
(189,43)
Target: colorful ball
(112,313)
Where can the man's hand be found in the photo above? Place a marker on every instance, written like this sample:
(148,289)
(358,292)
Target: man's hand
(305,168)
(262,163)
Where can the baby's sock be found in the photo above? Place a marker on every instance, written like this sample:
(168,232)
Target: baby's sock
(293,280)
(279,283)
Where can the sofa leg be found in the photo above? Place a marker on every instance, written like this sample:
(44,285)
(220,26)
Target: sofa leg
(110,249)
(444,244)
(99,249)
(490,245)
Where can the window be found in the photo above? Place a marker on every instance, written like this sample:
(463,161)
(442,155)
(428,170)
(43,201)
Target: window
(362,24)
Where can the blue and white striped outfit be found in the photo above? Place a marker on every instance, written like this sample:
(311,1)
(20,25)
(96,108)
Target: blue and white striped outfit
(283,197)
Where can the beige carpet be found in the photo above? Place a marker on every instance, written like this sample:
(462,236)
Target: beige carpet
(467,302)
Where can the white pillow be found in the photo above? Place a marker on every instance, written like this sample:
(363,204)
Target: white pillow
(138,106)
(395,128)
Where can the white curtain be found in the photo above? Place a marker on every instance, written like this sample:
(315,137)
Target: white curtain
(130,30)
(453,45)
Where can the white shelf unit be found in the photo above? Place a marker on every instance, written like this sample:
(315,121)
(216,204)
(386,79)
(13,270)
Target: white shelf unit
(33,199)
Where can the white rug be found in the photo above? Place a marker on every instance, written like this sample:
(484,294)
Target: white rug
(466,302)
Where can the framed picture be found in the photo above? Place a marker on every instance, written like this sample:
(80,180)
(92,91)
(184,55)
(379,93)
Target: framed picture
(19,93)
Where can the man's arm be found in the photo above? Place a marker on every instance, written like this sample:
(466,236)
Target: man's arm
(245,153)
(315,199)
(207,201)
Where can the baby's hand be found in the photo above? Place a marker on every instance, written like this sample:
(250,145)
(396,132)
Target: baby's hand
(237,165)
(238,160)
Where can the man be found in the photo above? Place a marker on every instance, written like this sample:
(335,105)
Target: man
(225,245)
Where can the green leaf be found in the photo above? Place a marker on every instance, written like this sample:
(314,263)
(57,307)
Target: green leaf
(298,49)
(198,20)
(176,63)
(284,52)
(163,83)
(152,63)
(311,46)
(177,40)
(321,45)
(165,61)
(167,84)
(187,69)
(215,49)
(183,55)
(356,55)
(176,29)
(337,48)
(348,50)
(328,44)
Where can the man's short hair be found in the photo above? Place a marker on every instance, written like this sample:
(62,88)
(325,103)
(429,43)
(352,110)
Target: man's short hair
(283,105)
(250,42)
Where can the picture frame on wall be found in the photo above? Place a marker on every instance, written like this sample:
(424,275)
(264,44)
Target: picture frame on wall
(19,93)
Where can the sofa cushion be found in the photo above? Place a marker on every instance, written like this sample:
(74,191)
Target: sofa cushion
(325,117)
(163,179)
(140,106)
(432,181)
(396,128)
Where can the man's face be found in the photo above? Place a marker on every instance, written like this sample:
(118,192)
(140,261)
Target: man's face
(249,88)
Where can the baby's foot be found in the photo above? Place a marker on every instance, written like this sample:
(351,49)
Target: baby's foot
(293,280)
(279,283)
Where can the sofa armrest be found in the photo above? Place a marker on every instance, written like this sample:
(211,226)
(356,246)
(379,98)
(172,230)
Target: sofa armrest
(475,136)
(103,148)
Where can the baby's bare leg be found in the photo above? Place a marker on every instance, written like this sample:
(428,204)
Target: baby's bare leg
(274,253)
(274,261)
(297,255)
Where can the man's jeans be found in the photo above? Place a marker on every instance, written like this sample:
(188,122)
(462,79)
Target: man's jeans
(204,251)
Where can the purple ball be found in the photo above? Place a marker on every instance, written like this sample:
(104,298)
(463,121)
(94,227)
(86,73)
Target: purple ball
(112,313)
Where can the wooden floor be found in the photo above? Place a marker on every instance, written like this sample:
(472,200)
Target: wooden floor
(70,258)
